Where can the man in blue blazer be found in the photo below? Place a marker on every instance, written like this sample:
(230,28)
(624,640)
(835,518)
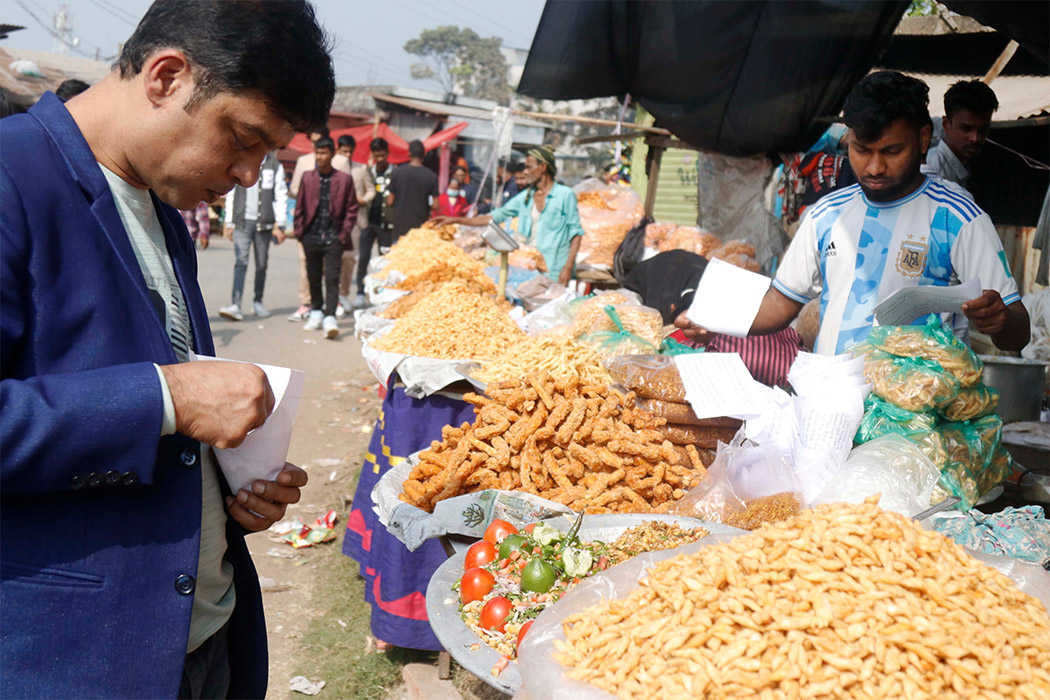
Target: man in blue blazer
(123,565)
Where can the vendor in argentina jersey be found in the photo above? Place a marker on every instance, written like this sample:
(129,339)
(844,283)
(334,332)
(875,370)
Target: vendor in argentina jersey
(895,228)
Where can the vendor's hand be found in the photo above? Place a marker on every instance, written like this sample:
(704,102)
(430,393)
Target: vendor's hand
(278,235)
(441,220)
(690,330)
(218,402)
(564,276)
(227,233)
(267,501)
(987,313)
(203,241)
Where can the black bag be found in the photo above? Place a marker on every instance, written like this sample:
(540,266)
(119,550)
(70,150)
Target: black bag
(630,251)
(667,281)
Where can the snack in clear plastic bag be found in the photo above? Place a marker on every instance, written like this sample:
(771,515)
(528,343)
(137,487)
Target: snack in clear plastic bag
(734,247)
(620,340)
(692,239)
(931,342)
(931,444)
(592,317)
(704,436)
(910,382)
(972,402)
(681,413)
(607,214)
(759,511)
(884,418)
(648,376)
(527,258)
(656,233)
(970,448)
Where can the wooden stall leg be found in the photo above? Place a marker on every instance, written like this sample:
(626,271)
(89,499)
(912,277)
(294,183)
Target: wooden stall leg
(444,665)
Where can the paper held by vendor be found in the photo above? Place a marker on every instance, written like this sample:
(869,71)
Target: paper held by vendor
(262,454)
(905,305)
(718,384)
(727,299)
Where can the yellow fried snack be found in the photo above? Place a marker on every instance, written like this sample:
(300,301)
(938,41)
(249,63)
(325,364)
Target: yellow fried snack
(452,323)
(914,384)
(931,342)
(559,357)
(578,443)
(841,601)
(972,402)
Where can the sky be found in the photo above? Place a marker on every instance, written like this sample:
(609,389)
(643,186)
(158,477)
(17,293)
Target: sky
(369,34)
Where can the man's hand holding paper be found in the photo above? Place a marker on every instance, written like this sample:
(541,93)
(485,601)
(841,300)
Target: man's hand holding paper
(267,501)
(218,403)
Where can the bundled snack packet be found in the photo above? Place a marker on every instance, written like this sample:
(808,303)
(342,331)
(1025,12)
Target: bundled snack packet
(911,383)
(972,402)
(882,418)
(931,342)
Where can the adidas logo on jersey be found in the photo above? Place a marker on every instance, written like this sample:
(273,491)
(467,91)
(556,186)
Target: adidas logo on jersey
(829,252)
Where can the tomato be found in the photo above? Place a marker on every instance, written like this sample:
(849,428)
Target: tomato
(510,544)
(479,554)
(521,635)
(475,584)
(530,527)
(497,530)
(538,576)
(495,613)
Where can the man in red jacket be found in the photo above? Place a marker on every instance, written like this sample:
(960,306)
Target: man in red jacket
(325,213)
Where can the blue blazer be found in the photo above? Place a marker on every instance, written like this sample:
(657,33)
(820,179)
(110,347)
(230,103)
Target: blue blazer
(99,515)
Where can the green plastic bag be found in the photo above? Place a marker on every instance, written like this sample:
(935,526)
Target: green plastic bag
(973,466)
(611,344)
(670,346)
(883,418)
(911,383)
(932,342)
(971,402)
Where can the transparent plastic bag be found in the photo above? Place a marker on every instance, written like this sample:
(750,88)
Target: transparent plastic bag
(607,214)
(970,446)
(891,466)
(933,342)
(884,418)
(620,340)
(692,239)
(649,376)
(747,485)
(592,316)
(912,383)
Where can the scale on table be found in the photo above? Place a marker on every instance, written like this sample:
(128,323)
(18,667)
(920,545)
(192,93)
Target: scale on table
(503,243)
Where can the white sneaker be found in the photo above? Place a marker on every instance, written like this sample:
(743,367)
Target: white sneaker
(314,322)
(260,310)
(360,301)
(232,312)
(345,302)
(340,310)
(331,327)
(299,314)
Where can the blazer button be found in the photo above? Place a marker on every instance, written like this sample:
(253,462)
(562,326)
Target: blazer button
(184,584)
(188,457)
(112,478)
(129,478)
(76,482)
(94,480)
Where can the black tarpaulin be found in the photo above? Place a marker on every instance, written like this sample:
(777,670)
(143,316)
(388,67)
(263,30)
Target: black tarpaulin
(735,77)
(1026,21)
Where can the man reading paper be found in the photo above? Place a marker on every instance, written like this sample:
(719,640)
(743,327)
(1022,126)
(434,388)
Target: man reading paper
(895,228)
(124,567)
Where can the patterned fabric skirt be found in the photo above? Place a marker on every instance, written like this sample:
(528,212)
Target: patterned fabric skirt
(395,578)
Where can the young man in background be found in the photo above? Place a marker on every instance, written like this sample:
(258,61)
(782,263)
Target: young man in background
(365,188)
(968,109)
(378,228)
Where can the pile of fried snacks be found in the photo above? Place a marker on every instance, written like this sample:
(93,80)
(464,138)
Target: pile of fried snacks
(840,601)
(759,511)
(583,445)
(422,256)
(401,306)
(452,323)
(930,342)
(447,232)
(558,357)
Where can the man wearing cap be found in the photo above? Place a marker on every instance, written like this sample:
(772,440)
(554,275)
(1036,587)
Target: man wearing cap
(547,215)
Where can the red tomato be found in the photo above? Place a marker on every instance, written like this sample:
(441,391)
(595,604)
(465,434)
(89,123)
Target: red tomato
(530,527)
(497,530)
(521,635)
(479,554)
(475,584)
(494,614)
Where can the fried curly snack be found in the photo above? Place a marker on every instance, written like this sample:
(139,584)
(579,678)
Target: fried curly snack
(559,357)
(840,601)
(930,342)
(972,402)
(452,323)
(566,439)
(909,383)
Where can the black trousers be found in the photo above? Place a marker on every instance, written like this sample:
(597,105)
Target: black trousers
(369,236)
(323,262)
(206,675)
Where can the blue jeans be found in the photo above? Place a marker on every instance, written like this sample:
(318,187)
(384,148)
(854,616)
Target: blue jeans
(243,238)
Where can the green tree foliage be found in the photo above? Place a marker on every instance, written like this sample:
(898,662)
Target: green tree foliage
(461,61)
(922,8)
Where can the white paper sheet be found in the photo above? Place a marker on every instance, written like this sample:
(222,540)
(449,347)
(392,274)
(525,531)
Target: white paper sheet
(727,299)
(263,453)
(907,304)
(718,384)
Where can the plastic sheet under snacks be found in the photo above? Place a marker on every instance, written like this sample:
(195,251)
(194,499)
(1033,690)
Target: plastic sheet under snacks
(458,639)
(422,376)
(545,678)
(468,514)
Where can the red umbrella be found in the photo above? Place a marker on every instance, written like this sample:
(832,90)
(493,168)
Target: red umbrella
(434,140)
(363,136)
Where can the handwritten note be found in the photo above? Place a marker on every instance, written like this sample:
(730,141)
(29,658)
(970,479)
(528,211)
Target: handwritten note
(727,299)
(907,304)
(718,384)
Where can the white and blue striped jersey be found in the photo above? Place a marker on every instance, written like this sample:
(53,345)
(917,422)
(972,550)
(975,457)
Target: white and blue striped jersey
(853,253)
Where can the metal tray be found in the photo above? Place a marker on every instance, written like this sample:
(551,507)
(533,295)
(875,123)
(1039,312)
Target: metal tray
(457,638)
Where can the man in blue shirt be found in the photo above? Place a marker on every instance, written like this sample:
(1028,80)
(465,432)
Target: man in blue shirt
(547,215)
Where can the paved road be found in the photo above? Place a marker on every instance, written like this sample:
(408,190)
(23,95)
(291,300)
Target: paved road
(330,435)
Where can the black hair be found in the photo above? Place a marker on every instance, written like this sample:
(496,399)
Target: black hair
(882,98)
(70,88)
(462,167)
(348,140)
(322,131)
(415,149)
(972,95)
(515,166)
(379,144)
(274,47)
(324,142)
(9,105)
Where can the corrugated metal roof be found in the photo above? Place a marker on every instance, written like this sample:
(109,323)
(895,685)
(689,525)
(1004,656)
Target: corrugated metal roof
(55,68)
(449,110)
(1019,96)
